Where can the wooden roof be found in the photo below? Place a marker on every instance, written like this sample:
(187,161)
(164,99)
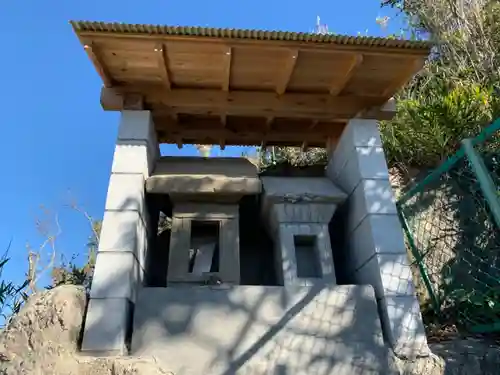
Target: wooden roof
(247,87)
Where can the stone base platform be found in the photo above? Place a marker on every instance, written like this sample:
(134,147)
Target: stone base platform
(218,330)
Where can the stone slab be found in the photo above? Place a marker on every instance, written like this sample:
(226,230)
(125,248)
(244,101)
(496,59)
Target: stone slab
(196,175)
(261,330)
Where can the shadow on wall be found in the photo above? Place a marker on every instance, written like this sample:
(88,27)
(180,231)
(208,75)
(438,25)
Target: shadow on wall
(248,330)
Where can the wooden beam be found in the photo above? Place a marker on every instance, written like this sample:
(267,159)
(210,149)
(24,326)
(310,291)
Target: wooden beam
(286,74)
(161,52)
(254,138)
(262,44)
(248,103)
(133,102)
(222,144)
(337,87)
(179,142)
(94,55)
(226,71)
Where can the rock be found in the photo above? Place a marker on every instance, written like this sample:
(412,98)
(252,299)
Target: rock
(42,339)
(461,357)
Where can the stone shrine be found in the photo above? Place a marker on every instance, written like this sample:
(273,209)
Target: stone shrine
(212,267)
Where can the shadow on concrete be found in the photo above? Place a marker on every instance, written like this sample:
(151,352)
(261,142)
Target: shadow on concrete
(255,329)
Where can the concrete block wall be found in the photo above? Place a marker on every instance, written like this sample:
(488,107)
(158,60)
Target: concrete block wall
(376,252)
(121,258)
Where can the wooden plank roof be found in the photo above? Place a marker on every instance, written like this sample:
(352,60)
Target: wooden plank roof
(247,87)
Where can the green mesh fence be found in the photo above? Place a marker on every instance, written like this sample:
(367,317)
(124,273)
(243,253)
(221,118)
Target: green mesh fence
(452,225)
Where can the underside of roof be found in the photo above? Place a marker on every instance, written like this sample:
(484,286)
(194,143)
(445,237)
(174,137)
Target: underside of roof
(247,87)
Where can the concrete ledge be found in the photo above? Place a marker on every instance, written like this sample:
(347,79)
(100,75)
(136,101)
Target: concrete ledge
(195,175)
(261,330)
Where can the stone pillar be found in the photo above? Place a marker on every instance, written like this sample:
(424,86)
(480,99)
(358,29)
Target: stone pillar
(376,252)
(121,258)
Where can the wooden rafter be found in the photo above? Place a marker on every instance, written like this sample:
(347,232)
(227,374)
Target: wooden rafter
(94,55)
(286,74)
(247,103)
(226,71)
(270,45)
(337,87)
(179,142)
(161,52)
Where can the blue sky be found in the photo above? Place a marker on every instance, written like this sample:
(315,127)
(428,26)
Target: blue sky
(56,136)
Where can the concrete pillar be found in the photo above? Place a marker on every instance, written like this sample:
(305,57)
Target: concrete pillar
(121,258)
(376,251)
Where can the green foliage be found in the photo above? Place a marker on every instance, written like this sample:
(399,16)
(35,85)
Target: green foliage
(293,156)
(433,119)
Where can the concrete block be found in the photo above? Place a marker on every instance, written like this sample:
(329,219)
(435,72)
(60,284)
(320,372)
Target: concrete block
(376,234)
(370,197)
(106,325)
(363,162)
(403,326)
(389,274)
(361,132)
(126,192)
(122,231)
(116,275)
(135,125)
(371,162)
(133,157)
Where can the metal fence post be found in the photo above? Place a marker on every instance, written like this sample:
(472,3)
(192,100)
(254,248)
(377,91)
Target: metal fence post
(483,176)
